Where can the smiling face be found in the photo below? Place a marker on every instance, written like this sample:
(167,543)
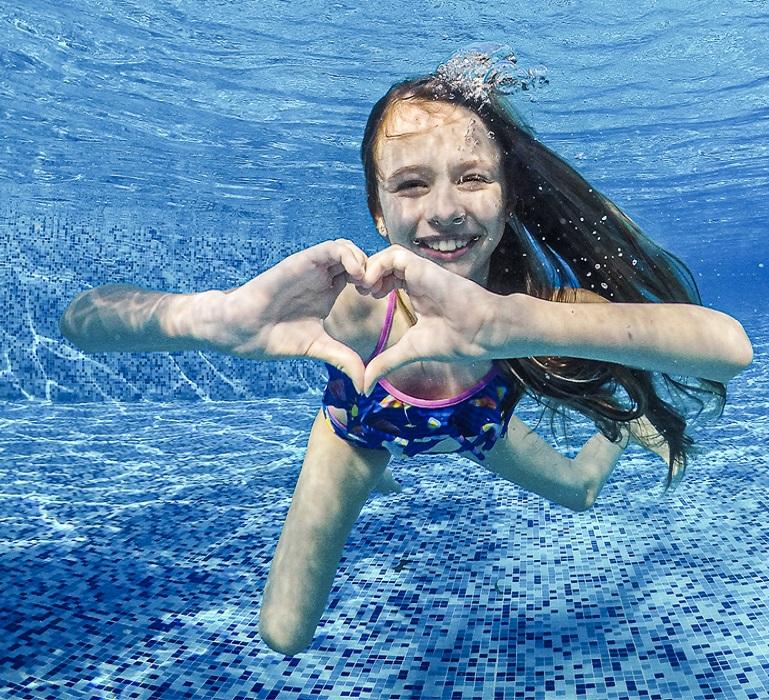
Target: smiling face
(440,185)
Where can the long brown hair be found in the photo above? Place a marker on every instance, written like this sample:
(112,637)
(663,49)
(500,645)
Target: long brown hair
(564,233)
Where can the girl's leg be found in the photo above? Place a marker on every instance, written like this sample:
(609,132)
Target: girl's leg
(643,433)
(335,480)
(596,461)
(526,459)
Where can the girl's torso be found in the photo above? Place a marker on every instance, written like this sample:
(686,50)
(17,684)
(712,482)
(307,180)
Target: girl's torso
(358,321)
(422,393)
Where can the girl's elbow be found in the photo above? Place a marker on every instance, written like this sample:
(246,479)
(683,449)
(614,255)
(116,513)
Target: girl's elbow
(744,352)
(65,328)
(740,354)
(69,330)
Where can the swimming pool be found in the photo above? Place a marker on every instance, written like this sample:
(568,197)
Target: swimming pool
(184,146)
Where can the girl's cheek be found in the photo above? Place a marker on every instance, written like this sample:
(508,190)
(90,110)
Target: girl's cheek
(403,212)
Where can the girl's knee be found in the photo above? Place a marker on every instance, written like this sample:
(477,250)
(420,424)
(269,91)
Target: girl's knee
(278,635)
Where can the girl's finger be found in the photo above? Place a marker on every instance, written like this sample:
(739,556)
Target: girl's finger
(353,258)
(340,356)
(388,263)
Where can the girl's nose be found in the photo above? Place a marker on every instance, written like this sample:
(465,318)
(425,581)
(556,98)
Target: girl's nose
(445,209)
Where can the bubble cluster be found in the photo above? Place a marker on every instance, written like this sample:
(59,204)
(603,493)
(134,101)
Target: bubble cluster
(479,71)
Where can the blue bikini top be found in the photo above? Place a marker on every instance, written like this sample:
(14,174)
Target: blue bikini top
(406,425)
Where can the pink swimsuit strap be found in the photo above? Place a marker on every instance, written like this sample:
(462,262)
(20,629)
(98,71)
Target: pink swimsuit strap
(386,327)
(414,400)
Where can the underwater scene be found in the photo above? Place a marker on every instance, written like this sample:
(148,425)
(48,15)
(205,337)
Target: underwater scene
(186,146)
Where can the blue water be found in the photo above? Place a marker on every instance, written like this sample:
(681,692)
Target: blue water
(189,145)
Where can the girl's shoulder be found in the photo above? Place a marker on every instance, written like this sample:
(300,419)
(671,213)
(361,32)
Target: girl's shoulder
(356,320)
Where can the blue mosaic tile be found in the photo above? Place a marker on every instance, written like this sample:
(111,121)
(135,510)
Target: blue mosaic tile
(137,539)
(39,275)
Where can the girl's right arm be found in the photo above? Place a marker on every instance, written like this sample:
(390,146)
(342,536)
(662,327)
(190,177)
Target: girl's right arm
(123,318)
(278,314)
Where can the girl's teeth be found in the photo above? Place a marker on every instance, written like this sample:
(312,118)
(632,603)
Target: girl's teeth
(446,246)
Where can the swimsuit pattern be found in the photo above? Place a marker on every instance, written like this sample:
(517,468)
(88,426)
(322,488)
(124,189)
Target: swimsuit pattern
(407,426)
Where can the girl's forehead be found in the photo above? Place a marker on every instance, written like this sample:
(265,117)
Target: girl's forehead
(436,131)
(412,117)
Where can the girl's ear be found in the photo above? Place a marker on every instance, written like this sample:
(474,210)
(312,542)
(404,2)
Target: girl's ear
(380,226)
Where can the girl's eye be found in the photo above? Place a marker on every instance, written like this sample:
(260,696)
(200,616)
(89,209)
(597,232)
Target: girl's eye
(473,178)
(410,185)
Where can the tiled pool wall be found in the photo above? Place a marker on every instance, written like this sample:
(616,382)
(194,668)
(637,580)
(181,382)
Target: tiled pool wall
(50,254)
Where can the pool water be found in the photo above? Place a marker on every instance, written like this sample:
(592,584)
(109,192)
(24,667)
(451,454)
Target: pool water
(187,145)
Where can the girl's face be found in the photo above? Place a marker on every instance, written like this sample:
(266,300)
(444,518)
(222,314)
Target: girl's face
(441,187)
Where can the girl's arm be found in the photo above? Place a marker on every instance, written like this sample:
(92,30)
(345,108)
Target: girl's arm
(278,314)
(458,319)
(682,339)
(335,480)
(124,318)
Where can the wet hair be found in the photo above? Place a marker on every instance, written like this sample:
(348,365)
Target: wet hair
(564,235)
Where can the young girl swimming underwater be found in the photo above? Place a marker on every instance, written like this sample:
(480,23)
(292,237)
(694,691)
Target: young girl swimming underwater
(505,273)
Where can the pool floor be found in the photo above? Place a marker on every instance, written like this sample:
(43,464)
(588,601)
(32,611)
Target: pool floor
(136,541)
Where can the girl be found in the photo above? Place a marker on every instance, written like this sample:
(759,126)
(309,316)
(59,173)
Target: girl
(499,252)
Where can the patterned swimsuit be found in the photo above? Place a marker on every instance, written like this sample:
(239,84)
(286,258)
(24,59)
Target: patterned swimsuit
(406,425)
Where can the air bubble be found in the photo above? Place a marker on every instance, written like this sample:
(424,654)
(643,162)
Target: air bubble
(597,266)
(604,285)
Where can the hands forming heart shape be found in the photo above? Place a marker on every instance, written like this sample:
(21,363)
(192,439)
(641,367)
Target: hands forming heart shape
(280,313)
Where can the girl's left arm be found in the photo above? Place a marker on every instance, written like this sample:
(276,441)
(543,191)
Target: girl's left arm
(458,319)
(682,339)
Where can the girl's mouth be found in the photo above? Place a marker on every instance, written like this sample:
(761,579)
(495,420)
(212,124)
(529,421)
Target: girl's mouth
(445,248)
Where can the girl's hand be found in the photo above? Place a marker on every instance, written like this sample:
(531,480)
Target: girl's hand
(280,313)
(455,316)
